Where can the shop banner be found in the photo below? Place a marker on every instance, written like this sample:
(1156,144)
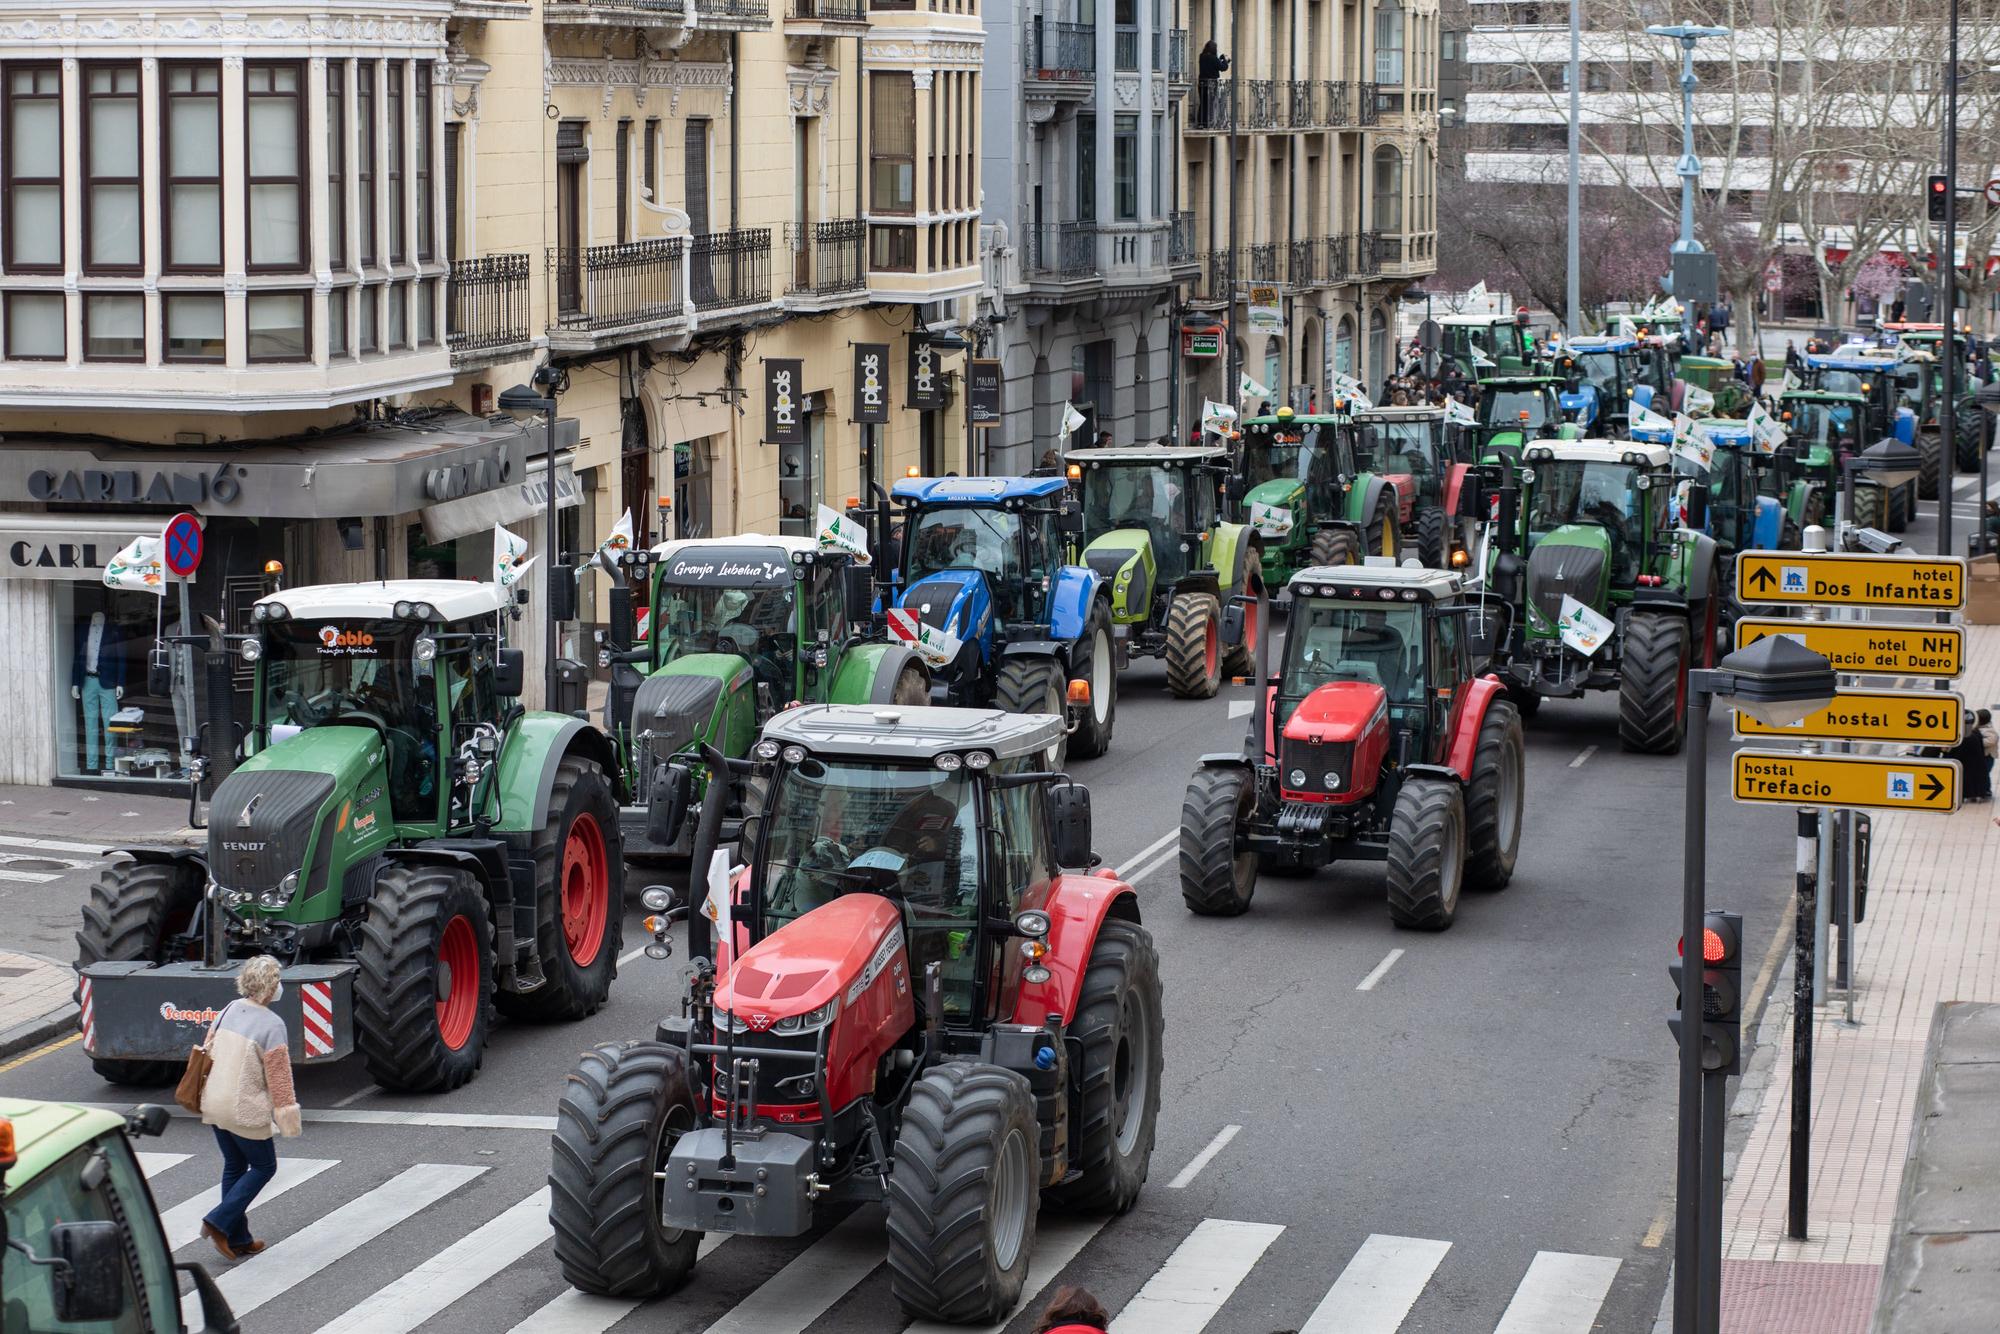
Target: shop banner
(871,383)
(982,397)
(510,562)
(784,406)
(138,568)
(1267,310)
(926,389)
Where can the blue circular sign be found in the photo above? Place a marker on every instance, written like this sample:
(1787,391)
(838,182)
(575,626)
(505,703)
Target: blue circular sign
(182,545)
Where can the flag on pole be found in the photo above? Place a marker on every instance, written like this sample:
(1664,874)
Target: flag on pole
(715,904)
(137,566)
(1645,419)
(1072,420)
(1477,295)
(1346,386)
(1766,428)
(616,543)
(510,559)
(1249,388)
(1691,443)
(1459,414)
(840,533)
(1216,418)
(1696,401)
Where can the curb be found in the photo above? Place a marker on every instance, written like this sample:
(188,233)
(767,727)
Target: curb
(54,1024)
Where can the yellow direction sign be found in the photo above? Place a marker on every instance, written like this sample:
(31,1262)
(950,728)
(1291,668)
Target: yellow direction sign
(1825,579)
(1911,717)
(1936,651)
(1780,778)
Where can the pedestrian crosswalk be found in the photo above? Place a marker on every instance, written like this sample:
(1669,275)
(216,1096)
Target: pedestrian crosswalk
(37,861)
(420,1247)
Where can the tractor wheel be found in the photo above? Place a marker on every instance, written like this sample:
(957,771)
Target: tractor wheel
(1704,624)
(1099,666)
(1385,530)
(1241,659)
(579,898)
(911,687)
(1430,538)
(1194,652)
(1119,1027)
(132,911)
(1335,546)
(1493,800)
(962,1194)
(423,999)
(1652,685)
(1033,685)
(623,1108)
(1930,459)
(1971,439)
(1217,880)
(1869,511)
(1426,854)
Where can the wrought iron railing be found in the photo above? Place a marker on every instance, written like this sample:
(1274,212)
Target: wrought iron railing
(1064,250)
(1307,261)
(1388,248)
(489,303)
(1261,265)
(609,286)
(1339,262)
(828,11)
(730,268)
(1180,237)
(1125,47)
(735,9)
(1368,108)
(1177,66)
(1217,105)
(828,258)
(1367,259)
(1219,275)
(1263,106)
(1060,50)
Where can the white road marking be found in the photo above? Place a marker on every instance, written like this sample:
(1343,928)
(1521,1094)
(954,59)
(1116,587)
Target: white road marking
(1374,1294)
(801,1292)
(358,1095)
(1204,1158)
(369,1116)
(573,1312)
(1058,1239)
(152,1164)
(451,1273)
(1560,1295)
(332,1238)
(29,877)
(1240,708)
(1197,1279)
(630,955)
(1583,757)
(1170,838)
(1134,874)
(52,845)
(183,1221)
(1380,970)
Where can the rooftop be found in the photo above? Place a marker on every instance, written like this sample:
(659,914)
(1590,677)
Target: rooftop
(915,732)
(455,599)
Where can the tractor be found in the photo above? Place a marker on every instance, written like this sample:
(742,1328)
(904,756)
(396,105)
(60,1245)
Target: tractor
(1921,393)
(1480,346)
(1716,376)
(1379,740)
(1153,535)
(1878,376)
(1426,459)
(1824,428)
(1009,621)
(81,1237)
(1604,374)
(1739,518)
(738,629)
(414,848)
(1513,410)
(1614,586)
(1301,491)
(959,1016)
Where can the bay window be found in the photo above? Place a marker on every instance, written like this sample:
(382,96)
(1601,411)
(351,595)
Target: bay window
(280,326)
(34,136)
(112,184)
(37,327)
(192,118)
(364,110)
(393,101)
(336,163)
(274,167)
(194,325)
(426,242)
(114,326)
(1125,166)
(892,143)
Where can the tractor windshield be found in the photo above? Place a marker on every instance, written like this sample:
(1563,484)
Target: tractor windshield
(1298,453)
(1570,491)
(1605,370)
(969,537)
(1815,423)
(1138,496)
(1839,382)
(58,1195)
(1395,447)
(1337,641)
(705,618)
(1503,408)
(354,671)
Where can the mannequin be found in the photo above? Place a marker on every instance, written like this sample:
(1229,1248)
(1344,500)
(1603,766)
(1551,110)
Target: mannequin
(97,679)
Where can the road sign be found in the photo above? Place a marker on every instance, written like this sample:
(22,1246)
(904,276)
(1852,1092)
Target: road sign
(1780,778)
(1804,579)
(1907,717)
(1934,651)
(181,545)
(1993,192)
(1430,335)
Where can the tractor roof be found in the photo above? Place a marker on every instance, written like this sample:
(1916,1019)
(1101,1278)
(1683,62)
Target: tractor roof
(455,599)
(45,1131)
(1385,581)
(1856,359)
(1635,452)
(1600,343)
(747,560)
(1407,413)
(914,732)
(1172,455)
(974,490)
(1474,321)
(1517,380)
(1299,419)
(1821,396)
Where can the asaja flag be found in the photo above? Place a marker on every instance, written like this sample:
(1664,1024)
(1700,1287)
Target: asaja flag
(1476,296)
(1697,402)
(715,904)
(1768,432)
(840,533)
(1073,421)
(935,646)
(616,543)
(1581,628)
(1346,386)
(1216,418)
(511,560)
(138,567)
(1691,443)
(1459,414)
(1249,388)
(1645,419)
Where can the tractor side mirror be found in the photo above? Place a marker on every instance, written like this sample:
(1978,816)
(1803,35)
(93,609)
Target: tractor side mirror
(667,804)
(1232,624)
(91,1284)
(1473,500)
(620,634)
(562,592)
(510,672)
(1694,507)
(858,588)
(1069,812)
(159,672)
(1069,520)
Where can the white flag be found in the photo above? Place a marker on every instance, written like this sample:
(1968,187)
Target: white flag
(1072,421)
(1766,428)
(1627,329)
(1645,419)
(1692,443)
(1581,628)
(1249,388)
(138,567)
(1346,386)
(934,645)
(615,544)
(1696,401)
(1216,418)
(1459,414)
(715,904)
(841,533)
(510,559)
(1477,296)
(1788,384)
(1273,521)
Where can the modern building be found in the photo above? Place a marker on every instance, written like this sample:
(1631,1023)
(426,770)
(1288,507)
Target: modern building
(277,267)
(1310,168)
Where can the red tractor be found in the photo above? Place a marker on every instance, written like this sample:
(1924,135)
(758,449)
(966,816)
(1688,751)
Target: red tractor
(1379,741)
(910,1000)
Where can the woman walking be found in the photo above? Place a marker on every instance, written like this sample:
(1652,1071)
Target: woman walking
(247,1096)
(1073,1311)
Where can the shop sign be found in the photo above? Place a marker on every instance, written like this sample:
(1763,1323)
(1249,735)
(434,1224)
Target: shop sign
(871,383)
(136,486)
(983,393)
(32,549)
(784,406)
(1267,310)
(1201,342)
(926,388)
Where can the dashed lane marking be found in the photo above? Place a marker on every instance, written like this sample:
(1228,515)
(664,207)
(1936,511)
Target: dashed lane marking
(1205,1157)
(1379,971)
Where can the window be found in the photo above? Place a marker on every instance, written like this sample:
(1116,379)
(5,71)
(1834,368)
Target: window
(336,163)
(649,168)
(274,166)
(1086,168)
(426,242)
(427,313)
(371,335)
(336,322)
(892,143)
(364,106)
(36,327)
(393,105)
(114,326)
(1021,820)
(622,164)
(279,326)
(34,168)
(192,225)
(112,234)
(60,1196)
(1388,189)
(1159,165)
(398,333)
(1125,166)
(194,326)
(1389,44)
(451,150)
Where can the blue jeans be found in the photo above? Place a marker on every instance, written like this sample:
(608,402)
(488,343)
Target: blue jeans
(247,1167)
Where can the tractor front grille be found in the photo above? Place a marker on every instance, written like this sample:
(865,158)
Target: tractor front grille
(259,822)
(1317,761)
(932,600)
(674,710)
(1556,570)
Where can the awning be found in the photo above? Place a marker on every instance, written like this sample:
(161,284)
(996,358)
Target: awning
(68,546)
(507,504)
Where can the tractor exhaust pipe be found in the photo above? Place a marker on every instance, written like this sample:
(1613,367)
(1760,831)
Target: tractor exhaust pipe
(707,833)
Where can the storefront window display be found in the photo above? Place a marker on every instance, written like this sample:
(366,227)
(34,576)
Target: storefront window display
(108,724)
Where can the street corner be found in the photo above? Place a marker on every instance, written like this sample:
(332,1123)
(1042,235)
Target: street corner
(37,1001)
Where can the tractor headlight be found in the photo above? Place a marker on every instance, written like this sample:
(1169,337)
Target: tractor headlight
(657,898)
(1332,781)
(949,761)
(235,898)
(403,611)
(1297,777)
(282,895)
(1527,477)
(977,759)
(251,648)
(765,750)
(794,754)
(1643,482)
(424,650)
(1036,974)
(812,1021)
(1032,922)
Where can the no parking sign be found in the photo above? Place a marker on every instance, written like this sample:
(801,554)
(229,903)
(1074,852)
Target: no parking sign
(181,545)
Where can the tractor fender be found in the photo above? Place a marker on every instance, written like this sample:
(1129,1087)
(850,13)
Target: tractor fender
(1196,581)
(461,859)
(1035,648)
(1693,567)
(1767,530)
(1444,773)
(534,748)
(1222,759)
(867,673)
(1230,553)
(156,855)
(1454,481)
(1077,906)
(1069,602)
(1363,495)
(1654,601)
(1479,697)
(1906,426)
(1642,395)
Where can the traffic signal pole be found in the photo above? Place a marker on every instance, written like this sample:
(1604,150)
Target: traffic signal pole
(1948,281)
(1694,872)
(1802,1019)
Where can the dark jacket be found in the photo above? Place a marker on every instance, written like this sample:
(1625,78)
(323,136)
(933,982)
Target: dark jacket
(110,655)
(1213,62)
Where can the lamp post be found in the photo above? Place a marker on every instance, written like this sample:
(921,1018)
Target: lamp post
(1688,168)
(1776,681)
(523,405)
(1573,263)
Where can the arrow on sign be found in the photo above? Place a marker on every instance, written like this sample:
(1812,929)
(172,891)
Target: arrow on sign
(1762,577)
(1932,788)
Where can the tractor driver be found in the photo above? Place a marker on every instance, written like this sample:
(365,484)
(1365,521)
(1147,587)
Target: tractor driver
(1595,500)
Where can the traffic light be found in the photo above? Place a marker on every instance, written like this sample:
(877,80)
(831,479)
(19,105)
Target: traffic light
(1938,193)
(1722,994)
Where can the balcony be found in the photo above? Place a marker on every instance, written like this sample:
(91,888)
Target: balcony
(486,315)
(1406,254)
(1260,264)
(1306,263)
(1181,252)
(1177,61)
(825,18)
(1368,104)
(1059,59)
(481,10)
(729,272)
(715,15)
(1059,260)
(1213,277)
(1218,105)
(1367,254)
(1125,47)
(829,264)
(601,296)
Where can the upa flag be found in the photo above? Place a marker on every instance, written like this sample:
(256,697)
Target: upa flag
(510,559)
(615,544)
(1216,418)
(934,645)
(840,533)
(1697,402)
(1788,384)
(715,904)
(137,567)
(1249,388)
(1072,421)
(1458,414)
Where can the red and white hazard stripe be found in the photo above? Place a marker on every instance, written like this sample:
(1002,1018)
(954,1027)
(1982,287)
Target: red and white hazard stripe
(904,625)
(316,1006)
(89,1016)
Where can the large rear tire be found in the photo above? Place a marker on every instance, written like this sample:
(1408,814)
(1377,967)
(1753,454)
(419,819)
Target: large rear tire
(1099,666)
(1930,461)
(1119,1027)
(912,687)
(1033,685)
(1334,546)
(1216,880)
(579,898)
(1241,659)
(962,1194)
(1493,800)
(1652,685)
(622,1110)
(423,1000)
(1194,653)
(132,912)
(1385,531)
(1430,537)
(1971,441)
(1426,854)
(1869,509)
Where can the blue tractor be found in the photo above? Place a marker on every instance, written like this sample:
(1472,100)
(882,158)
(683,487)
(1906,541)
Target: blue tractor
(1605,373)
(985,563)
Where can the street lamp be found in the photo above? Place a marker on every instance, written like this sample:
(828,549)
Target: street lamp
(1688,168)
(1777,681)
(524,405)
(1888,460)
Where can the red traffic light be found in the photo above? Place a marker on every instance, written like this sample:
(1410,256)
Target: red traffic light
(1719,940)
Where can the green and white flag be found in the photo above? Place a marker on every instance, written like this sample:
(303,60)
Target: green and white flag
(1691,443)
(615,544)
(1460,414)
(1249,388)
(138,567)
(1072,421)
(1769,433)
(1216,418)
(1581,628)
(1645,419)
(1346,386)
(511,560)
(839,533)
(1271,520)
(1697,402)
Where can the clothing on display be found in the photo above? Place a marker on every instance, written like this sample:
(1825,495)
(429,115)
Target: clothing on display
(97,679)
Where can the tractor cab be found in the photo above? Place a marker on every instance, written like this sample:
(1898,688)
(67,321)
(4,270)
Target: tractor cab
(1006,534)
(1717,377)
(1167,495)
(1739,517)
(1413,447)
(1482,345)
(1878,375)
(1296,476)
(1513,410)
(1602,374)
(1608,497)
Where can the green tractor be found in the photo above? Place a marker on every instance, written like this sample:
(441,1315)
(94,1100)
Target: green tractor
(1921,389)
(81,1242)
(1480,346)
(1512,410)
(1824,428)
(738,629)
(414,848)
(1609,594)
(1152,533)
(1718,377)
(1300,490)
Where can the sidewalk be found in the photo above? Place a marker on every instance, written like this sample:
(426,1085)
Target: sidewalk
(1932,934)
(36,1001)
(99,817)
